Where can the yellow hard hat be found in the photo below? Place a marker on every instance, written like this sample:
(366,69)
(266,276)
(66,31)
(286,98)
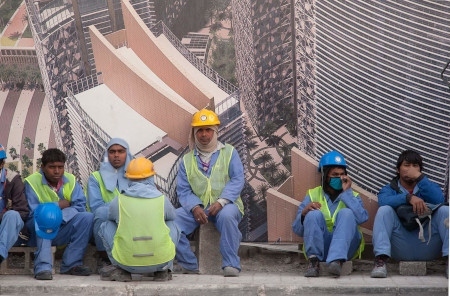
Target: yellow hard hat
(205,117)
(139,168)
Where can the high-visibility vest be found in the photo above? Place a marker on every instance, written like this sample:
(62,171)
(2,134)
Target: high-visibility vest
(107,195)
(47,194)
(142,237)
(210,189)
(317,195)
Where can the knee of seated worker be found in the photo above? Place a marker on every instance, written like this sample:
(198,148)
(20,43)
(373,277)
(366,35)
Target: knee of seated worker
(345,214)
(442,213)
(85,217)
(443,210)
(11,215)
(311,216)
(101,213)
(385,210)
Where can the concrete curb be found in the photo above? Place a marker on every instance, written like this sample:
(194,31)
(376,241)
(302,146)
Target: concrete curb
(261,284)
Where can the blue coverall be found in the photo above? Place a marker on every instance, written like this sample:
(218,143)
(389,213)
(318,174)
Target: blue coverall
(145,189)
(392,239)
(226,221)
(75,230)
(112,178)
(343,241)
(11,223)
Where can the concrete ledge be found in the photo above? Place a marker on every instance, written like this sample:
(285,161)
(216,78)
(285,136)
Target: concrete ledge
(248,283)
(22,269)
(414,268)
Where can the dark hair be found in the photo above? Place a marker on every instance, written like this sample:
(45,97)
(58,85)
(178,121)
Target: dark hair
(326,169)
(52,155)
(411,157)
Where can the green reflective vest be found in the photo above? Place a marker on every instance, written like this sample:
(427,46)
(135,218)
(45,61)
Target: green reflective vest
(142,237)
(47,194)
(317,195)
(210,189)
(107,195)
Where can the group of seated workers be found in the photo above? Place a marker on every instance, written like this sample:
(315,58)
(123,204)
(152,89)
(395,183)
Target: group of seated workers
(137,230)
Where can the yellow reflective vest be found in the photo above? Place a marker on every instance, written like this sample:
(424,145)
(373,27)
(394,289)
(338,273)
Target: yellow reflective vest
(210,189)
(317,195)
(142,237)
(47,194)
(107,195)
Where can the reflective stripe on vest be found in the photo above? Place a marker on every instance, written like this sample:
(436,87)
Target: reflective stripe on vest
(47,194)
(210,189)
(142,237)
(316,195)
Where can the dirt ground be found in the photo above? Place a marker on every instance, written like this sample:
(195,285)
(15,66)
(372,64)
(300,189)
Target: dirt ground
(260,260)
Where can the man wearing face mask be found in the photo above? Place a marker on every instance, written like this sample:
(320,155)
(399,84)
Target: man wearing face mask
(328,219)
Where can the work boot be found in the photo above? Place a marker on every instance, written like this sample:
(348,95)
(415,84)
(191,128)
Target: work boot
(379,270)
(80,270)
(106,271)
(313,267)
(230,272)
(114,273)
(162,276)
(44,275)
(335,268)
(189,271)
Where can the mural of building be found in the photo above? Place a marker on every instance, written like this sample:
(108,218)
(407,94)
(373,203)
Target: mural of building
(265,60)
(377,86)
(75,44)
(17,48)
(357,77)
(146,91)
(64,49)
(366,80)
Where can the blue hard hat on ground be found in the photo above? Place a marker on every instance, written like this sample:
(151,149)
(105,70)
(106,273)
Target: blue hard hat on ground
(2,152)
(47,220)
(332,158)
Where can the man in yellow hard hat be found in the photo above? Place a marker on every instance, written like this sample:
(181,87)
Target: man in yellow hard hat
(209,183)
(141,234)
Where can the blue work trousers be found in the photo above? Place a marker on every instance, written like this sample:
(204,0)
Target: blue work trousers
(10,227)
(392,239)
(75,233)
(100,216)
(341,243)
(226,222)
(108,231)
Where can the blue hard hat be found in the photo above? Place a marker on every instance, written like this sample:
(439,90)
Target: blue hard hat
(47,220)
(332,158)
(2,152)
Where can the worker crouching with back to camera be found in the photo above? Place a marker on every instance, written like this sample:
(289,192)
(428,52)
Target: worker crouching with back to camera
(140,235)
